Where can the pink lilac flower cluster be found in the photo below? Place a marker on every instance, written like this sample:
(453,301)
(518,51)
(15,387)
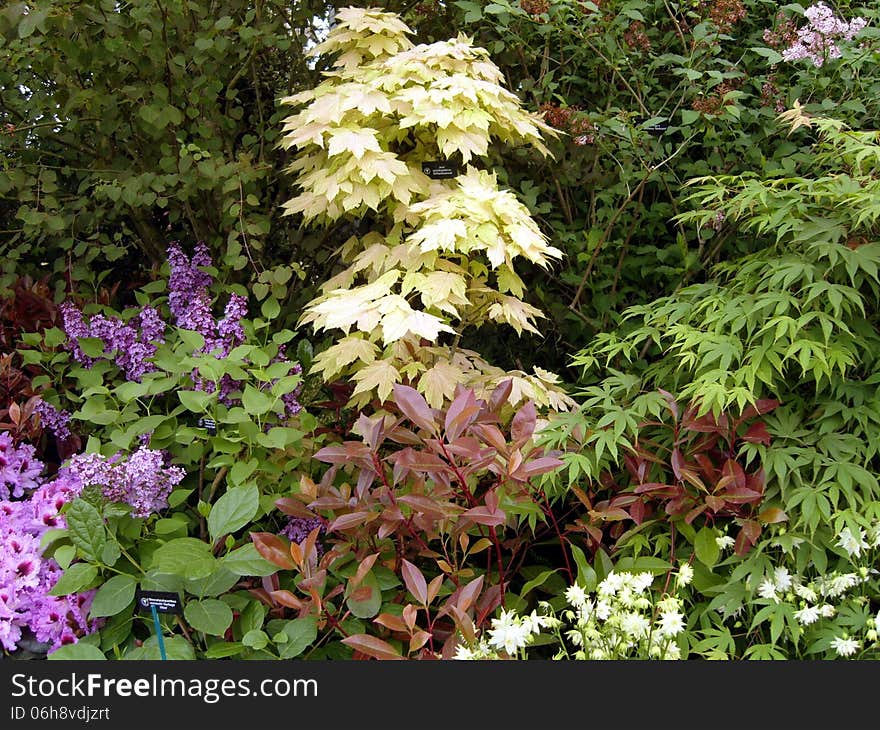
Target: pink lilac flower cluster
(817,41)
(131,344)
(19,468)
(57,421)
(26,576)
(143,480)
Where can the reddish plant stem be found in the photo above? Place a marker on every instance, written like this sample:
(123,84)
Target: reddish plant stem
(377,465)
(548,510)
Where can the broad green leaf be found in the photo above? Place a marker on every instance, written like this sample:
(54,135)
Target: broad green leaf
(706,547)
(79,651)
(113,596)
(86,528)
(209,616)
(247,561)
(233,510)
(77,577)
(301,633)
(187,557)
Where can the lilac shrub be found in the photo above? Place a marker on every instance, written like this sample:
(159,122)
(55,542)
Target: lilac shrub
(817,41)
(55,420)
(190,305)
(19,468)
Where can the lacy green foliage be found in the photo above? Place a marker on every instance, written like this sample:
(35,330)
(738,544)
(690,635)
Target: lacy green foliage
(435,496)
(235,471)
(650,94)
(443,251)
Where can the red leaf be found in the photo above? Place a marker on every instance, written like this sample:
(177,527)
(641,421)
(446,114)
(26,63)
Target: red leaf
(344,522)
(500,395)
(362,570)
(468,594)
(371,646)
(695,512)
(426,506)
(415,581)
(757,433)
(462,412)
(523,425)
(286,598)
(389,621)
(771,516)
(671,403)
(761,407)
(414,407)
(343,453)
(273,549)
(294,508)
(537,466)
(677,462)
(483,516)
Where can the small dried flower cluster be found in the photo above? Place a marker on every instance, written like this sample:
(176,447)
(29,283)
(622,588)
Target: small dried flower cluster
(714,104)
(570,120)
(636,38)
(298,529)
(725,14)
(817,41)
(535,7)
(783,34)
(771,96)
(26,576)
(621,621)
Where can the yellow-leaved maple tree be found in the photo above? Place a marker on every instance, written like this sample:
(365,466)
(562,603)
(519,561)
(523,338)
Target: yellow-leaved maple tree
(444,259)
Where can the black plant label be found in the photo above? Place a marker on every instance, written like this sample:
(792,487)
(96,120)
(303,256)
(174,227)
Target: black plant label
(440,170)
(208,424)
(164,601)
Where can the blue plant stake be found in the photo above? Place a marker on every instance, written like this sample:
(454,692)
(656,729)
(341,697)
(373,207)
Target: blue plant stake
(159,637)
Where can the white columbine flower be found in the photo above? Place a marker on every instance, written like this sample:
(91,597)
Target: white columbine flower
(806,592)
(808,615)
(725,542)
(844,646)
(685,574)
(509,633)
(782,579)
(635,625)
(852,543)
(576,596)
(671,623)
(642,582)
(827,610)
(610,585)
(767,589)
(603,609)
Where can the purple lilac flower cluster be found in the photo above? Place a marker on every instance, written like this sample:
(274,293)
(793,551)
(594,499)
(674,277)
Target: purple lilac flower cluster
(143,480)
(190,301)
(58,422)
(19,468)
(817,41)
(298,529)
(26,576)
(134,342)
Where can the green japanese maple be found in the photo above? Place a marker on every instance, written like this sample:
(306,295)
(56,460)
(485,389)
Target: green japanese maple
(440,257)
